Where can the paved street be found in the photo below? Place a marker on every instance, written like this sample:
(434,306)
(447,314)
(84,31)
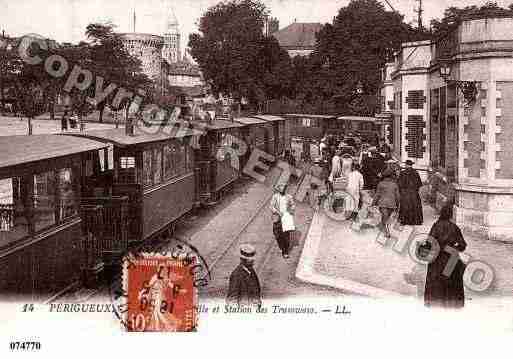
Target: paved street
(244,217)
(354,261)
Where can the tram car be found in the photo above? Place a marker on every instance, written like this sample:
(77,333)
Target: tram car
(257,133)
(309,127)
(217,171)
(369,129)
(155,171)
(72,203)
(42,249)
(280,134)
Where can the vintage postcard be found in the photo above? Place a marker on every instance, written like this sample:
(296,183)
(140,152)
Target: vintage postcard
(188,177)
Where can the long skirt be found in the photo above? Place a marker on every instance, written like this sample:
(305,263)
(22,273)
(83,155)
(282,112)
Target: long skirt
(282,238)
(410,211)
(442,291)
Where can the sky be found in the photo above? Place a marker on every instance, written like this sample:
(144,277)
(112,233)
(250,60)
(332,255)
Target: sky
(65,20)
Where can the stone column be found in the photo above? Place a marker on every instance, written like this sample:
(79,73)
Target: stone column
(484,201)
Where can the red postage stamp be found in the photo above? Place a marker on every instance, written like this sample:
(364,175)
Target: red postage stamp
(161,296)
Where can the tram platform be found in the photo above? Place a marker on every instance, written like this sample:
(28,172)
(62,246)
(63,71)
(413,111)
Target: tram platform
(357,263)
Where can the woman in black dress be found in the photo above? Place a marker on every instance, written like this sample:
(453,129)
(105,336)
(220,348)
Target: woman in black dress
(445,289)
(410,212)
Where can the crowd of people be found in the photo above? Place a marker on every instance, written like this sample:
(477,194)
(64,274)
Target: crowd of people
(357,171)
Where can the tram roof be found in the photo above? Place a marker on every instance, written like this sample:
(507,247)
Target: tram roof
(25,149)
(311,116)
(119,137)
(359,118)
(249,120)
(270,118)
(218,124)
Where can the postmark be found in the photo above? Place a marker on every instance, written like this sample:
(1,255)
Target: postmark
(181,262)
(160,294)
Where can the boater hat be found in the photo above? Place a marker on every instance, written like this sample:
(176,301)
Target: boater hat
(247,251)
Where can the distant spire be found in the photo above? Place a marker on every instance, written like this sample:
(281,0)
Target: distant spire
(171,22)
(134,20)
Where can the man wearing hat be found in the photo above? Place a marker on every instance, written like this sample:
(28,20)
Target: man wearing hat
(373,165)
(410,212)
(244,287)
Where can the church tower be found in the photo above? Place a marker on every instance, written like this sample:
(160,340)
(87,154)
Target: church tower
(171,49)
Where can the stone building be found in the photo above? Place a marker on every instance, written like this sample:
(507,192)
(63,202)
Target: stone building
(184,74)
(171,49)
(155,41)
(148,49)
(453,116)
(298,38)
(386,101)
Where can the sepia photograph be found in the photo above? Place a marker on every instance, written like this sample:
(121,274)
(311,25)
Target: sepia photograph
(227,168)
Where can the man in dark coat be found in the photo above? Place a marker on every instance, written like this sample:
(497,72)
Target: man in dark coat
(373,165)
(244,287)
(410,212)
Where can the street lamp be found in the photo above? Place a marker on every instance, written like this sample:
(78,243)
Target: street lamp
(467,88)
(359,88)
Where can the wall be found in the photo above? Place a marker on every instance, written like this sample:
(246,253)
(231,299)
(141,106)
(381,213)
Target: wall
(414,118)
(148,49)
(47,265)
(166,203)
(184,80)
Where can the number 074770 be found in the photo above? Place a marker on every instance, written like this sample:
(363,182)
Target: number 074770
(24,345)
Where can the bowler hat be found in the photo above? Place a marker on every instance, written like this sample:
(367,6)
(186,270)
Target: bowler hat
(408,162)
(247,251)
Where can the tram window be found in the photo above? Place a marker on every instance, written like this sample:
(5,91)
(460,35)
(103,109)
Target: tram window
(189,158)
(147,168)
(67,197)
(168,163)
(44,200)
(127,170)
(182,159)
(127,162)
(13,221)
(157,166)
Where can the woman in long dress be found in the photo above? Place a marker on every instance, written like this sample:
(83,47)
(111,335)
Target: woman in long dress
(410,212)
(445,289)
(282,206)
(353,189)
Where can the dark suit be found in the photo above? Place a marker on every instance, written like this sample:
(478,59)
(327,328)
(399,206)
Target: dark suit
(244,288)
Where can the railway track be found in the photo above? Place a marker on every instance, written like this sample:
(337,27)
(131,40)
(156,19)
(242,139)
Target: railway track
(257,231)
(237,238)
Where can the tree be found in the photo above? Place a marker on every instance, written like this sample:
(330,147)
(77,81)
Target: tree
(26,80)
(234,55)
(362,38)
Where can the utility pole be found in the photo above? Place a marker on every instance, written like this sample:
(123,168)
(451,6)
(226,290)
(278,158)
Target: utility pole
(419,12)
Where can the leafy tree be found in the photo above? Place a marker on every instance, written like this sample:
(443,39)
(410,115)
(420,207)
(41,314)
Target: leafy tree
(80,56)
(350,52)
(26,84)
(234,55)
